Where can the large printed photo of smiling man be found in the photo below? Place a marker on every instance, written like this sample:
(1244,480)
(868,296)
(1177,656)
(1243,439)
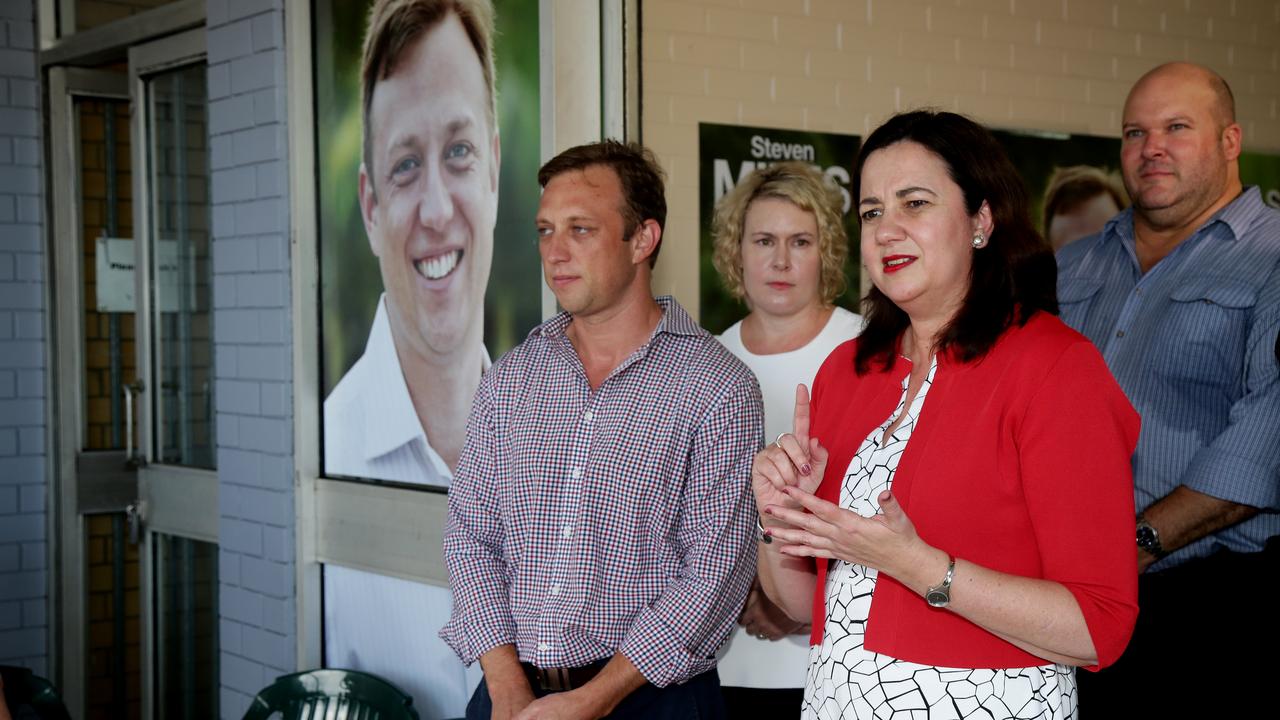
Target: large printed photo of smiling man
(414,301)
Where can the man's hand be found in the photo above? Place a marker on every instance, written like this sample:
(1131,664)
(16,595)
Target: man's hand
(615,681)
(509,689)
(765,620)
(571,705)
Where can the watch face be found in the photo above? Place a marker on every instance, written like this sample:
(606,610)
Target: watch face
(938,598)
(1146,538)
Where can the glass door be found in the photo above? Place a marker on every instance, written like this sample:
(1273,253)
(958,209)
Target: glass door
(177,485)
(136,492)
(98,629)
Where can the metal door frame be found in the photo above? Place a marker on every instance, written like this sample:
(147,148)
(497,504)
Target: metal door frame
(176,500)
(67,538)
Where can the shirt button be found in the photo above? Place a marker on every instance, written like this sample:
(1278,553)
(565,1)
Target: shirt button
(577,473)
(588,416)
(543,647)
(567,532)
(555,590)
(1119,333)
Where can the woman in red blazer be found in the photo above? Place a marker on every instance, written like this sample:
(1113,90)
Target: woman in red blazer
(953,511)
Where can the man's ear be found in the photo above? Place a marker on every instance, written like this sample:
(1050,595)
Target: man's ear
(647,237)
(1232,139)
(368,204)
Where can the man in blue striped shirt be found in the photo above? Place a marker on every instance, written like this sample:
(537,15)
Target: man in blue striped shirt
(1182,295)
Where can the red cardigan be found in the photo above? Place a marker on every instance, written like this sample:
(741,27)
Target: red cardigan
(1020,462)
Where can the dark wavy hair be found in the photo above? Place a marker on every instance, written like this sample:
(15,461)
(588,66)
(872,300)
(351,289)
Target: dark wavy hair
(1014,276)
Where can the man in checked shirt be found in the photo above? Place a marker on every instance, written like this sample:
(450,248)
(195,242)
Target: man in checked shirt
(600,539)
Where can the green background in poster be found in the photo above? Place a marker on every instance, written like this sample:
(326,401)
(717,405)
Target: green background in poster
(349,280)
(726,153)
(1263,171)
(1036,154)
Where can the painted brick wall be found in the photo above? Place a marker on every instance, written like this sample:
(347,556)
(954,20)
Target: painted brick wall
(23,358)
(845,65)
(252,345)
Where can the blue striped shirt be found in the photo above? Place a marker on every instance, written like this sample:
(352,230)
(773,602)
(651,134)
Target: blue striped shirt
(1192,344)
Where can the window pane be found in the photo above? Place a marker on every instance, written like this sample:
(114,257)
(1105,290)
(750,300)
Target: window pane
(186,627)
(106,221)
(181,284)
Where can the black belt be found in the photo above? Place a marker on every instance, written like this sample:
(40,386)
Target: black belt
(561,679)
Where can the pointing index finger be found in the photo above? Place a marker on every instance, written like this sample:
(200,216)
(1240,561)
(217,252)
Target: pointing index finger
(800,423)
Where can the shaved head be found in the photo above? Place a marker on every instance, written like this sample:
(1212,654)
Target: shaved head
(1224,101)
(1179,148)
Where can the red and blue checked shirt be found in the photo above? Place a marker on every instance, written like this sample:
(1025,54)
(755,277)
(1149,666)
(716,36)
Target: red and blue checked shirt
(584,523)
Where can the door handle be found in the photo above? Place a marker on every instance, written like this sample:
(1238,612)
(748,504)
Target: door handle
(131,390)
(135,515)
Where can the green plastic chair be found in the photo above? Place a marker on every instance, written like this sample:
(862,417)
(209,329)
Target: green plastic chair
(26,690)
(332,695)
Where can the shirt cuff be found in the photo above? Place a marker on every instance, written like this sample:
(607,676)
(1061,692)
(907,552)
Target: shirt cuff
(471,638)
(658,653)
(1233,478)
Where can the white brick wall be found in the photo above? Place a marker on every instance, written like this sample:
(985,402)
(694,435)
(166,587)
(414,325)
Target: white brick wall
(248,141)
(23,360)
(845,65)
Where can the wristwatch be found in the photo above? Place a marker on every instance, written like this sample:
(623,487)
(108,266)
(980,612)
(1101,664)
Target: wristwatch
(939,596)
(1149,538)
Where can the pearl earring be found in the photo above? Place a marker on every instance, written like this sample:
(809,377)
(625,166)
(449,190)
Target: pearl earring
(979,240)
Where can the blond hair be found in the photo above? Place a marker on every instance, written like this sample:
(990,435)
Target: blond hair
(802,186)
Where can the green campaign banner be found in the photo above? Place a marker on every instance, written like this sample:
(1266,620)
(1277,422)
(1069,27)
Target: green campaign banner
(726,155)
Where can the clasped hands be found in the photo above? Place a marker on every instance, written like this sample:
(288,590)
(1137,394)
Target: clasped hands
(784,477)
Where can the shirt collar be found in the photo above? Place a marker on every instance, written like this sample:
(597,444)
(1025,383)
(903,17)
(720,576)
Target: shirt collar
(674,321)
(391,420)
(1238,215)
(1241,213)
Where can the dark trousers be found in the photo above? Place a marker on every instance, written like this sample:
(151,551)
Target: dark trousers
(742,703)
(1204,644)
(697,699)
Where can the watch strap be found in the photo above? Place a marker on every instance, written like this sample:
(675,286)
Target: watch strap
(939,595)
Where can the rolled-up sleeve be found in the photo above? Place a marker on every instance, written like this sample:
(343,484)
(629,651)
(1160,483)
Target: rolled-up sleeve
(1242,464)
(1075,449)
(677,636)
(474,540)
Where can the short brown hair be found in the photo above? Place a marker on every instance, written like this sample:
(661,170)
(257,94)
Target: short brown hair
(394,26)
(1069,187)
(642,179)
(802,186)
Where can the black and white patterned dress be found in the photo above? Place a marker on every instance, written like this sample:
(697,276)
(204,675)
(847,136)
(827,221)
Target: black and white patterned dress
(846,680)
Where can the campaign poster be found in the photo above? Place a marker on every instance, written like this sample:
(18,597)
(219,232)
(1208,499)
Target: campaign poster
(432,271)
(726,155)
(1264,171)
(1036,154)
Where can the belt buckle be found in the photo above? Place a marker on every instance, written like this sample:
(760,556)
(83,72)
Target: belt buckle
(554,679)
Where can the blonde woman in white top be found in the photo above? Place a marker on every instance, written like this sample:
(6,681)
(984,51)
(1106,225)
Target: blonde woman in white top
(780,247)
